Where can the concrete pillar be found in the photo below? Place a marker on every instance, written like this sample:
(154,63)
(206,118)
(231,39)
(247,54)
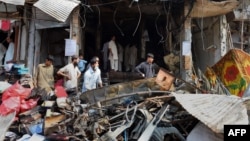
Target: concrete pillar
(23,42)
(187,63)
(75,32)
(31,46)
(37,50)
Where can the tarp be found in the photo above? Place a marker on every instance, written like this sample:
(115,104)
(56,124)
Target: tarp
(234,71)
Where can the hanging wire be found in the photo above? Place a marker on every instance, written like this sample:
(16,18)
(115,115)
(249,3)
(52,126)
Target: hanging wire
(202,33)
(83,19)
(116,23)
(99,16)
(139,9)
(156,26)
(185,18)
(167,18)
(103,4)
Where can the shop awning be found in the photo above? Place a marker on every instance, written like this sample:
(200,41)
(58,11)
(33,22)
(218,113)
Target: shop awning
(14,2)
(43,20)
(59,9)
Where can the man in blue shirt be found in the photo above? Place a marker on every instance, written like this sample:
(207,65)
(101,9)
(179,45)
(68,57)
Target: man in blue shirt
(147,68)
(92,76)
(81,63)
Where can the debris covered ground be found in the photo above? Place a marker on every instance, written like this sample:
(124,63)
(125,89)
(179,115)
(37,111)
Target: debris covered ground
(154,109)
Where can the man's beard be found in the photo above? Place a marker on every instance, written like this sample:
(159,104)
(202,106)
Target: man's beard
(75,64)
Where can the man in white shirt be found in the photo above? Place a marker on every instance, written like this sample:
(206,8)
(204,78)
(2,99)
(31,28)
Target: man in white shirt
(71,73)
(120,57)
(92,77)
(113,54)
(105,50)
(9,56)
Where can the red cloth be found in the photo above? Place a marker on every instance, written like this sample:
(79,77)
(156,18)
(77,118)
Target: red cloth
(5,25)
(60,91)
(13,99)
(59,82)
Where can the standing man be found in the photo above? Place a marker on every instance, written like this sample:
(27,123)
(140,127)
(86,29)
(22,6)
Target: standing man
(105,51)
(92,77)
(120,57)
(147,69)
(44,76)
(2,52)
(133,57)
(70,73)
(9,56)
(82,63)
(126,57)
(113,54)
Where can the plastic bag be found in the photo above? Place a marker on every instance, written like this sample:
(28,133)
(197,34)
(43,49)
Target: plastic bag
(27,105)
(16,90)
(10,105)
(13,99)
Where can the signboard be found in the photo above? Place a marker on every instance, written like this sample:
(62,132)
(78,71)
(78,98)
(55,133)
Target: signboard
(70,47)
(186,48)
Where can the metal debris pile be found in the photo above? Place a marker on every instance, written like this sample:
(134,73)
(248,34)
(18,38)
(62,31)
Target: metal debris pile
(131,119)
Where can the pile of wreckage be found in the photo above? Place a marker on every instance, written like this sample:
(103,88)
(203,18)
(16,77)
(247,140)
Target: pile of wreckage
(163,108)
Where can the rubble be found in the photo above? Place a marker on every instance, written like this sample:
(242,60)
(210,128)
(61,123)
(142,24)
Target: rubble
(148,109)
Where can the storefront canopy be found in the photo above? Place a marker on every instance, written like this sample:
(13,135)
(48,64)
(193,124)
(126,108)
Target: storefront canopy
(59,9)
(14,2)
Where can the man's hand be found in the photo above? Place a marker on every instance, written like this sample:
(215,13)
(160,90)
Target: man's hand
(68,77)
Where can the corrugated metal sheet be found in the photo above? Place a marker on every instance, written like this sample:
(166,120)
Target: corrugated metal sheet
(10,8)
(201,131)
(14,2)
(59,9)
(43,20)
(213,110)
(5,122)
